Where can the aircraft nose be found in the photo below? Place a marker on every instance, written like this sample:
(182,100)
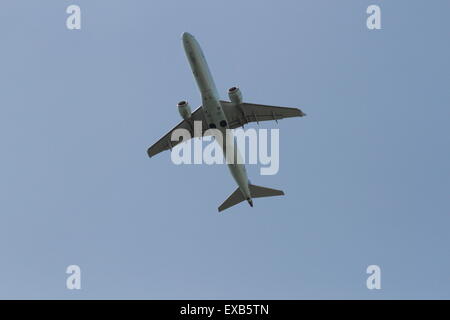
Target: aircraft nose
(186,36)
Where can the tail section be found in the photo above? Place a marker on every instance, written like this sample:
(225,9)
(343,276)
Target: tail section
(255,191)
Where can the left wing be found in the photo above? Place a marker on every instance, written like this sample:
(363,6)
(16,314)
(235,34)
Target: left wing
(238,115)
(165,142)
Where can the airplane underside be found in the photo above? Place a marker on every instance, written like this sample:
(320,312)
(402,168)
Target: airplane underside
(216,113)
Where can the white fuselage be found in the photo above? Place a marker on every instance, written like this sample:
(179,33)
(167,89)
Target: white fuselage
(214,114)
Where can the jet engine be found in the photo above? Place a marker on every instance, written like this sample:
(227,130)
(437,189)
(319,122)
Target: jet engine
(184,109)
(235,95)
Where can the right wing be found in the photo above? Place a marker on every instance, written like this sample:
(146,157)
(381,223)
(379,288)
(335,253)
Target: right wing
(165,142)
(238,115)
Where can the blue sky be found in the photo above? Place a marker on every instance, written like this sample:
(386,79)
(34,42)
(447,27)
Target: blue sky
(366,173)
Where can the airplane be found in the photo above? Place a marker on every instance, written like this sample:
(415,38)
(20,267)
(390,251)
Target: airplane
(219,114)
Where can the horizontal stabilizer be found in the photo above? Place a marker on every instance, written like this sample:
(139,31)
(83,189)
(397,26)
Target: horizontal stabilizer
(255,191)
(235,198)
(261,192)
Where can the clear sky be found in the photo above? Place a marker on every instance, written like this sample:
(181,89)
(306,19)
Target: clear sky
(366,173)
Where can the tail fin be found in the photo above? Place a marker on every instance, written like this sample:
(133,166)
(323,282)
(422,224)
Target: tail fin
(255,191)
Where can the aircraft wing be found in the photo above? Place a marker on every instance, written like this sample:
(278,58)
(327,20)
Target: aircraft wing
(165,142)
(238,115)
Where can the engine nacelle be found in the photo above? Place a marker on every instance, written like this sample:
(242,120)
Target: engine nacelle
(184,109)
(235,95)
